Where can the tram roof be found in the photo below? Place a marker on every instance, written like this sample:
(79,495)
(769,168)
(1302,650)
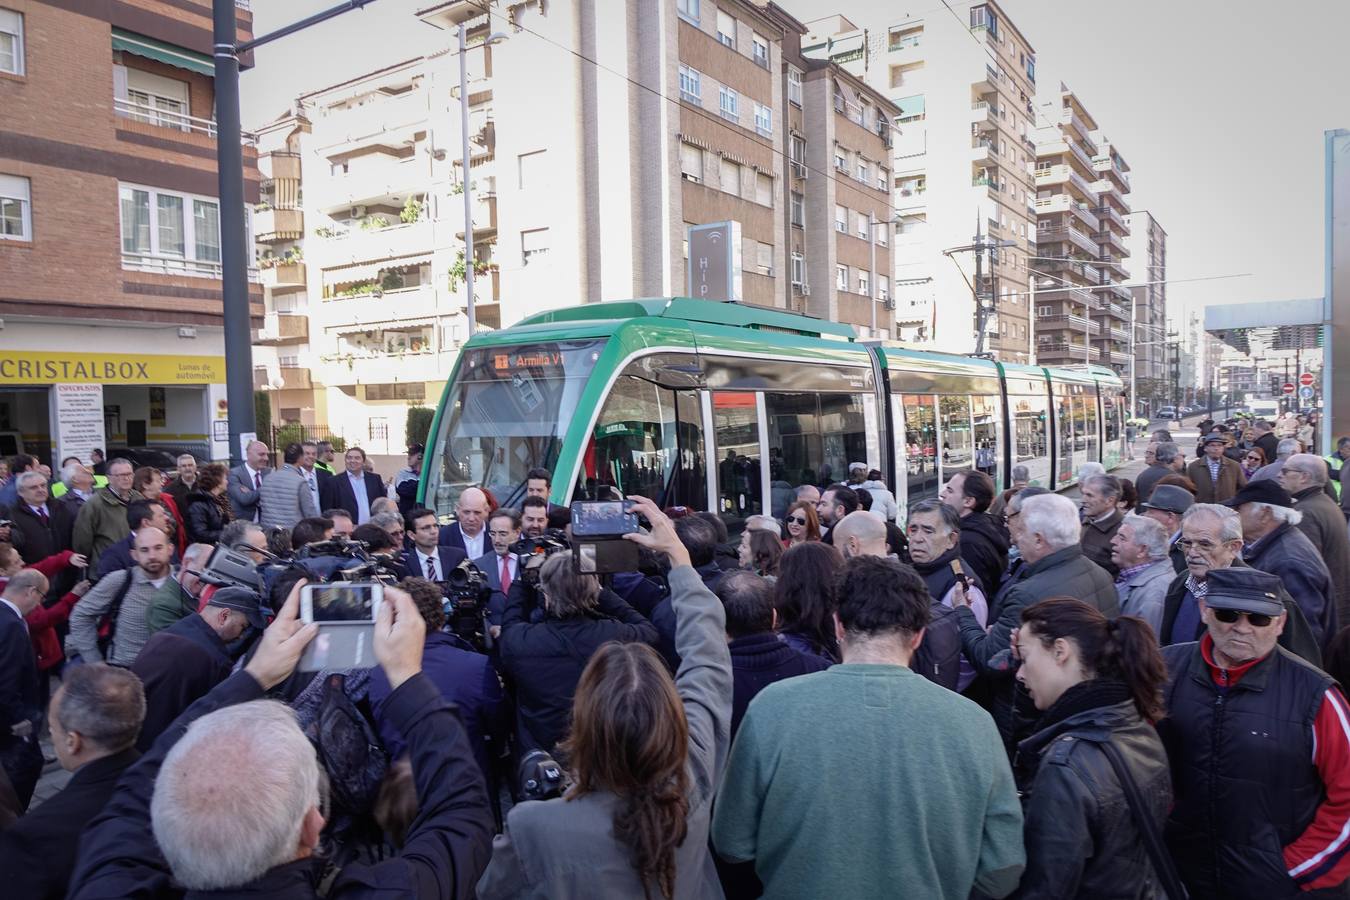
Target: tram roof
(690,309)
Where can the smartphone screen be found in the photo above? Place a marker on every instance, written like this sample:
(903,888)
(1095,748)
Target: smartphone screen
(602,518)
(331,603)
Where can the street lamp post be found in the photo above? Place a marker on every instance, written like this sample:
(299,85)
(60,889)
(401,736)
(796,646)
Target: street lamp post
(469,258)
(234,251)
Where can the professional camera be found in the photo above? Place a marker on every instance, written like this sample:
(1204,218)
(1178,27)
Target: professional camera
(550,542)
(342,559)
(232,567)
(539,777)
(466,591)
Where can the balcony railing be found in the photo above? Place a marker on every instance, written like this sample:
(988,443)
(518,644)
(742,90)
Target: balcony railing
(1078,352)
(242,4)
(1074,323)
(140,112)
(175,265)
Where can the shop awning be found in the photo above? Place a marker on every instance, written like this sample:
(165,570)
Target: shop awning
(159,51)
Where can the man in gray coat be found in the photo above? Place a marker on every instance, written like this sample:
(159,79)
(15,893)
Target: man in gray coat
(245,481)
(1139,550)
(1304,476)
(285,497)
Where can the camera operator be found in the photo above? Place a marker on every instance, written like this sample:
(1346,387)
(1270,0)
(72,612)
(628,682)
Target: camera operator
(381,548)
(646,754)
(427,559)
(463,677)
(546,658)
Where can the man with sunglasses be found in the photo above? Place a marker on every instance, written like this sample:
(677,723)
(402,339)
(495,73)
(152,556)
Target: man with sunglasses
(1211,538)
(1251,818)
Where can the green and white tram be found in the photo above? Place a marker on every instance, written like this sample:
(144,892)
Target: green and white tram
(725,407)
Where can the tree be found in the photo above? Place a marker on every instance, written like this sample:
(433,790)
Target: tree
(419,424)
(262,415)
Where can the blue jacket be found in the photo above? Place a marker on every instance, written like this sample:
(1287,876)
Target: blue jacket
(465,679)
(1288,554)
(757,661)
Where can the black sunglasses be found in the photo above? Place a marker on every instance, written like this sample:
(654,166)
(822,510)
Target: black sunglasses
(798,520)
(1229,616)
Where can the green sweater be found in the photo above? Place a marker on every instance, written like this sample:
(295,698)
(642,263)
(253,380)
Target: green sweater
(870,781)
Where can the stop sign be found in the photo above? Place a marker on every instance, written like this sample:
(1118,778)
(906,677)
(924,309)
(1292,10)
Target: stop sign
(1288,387)
(1306,379)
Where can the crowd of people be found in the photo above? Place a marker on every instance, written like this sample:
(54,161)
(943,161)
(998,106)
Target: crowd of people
(1138,693)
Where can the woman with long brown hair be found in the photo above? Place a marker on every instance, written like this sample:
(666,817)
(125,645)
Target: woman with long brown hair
(646,754)
(802,524)
(804,598)
(1098,684)
(207,509)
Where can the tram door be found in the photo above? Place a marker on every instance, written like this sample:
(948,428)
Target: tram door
(737,478)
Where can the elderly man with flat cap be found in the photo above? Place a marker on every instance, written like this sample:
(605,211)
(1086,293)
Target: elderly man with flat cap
(1259,744)
(1166,505)
(1217,478)
(1275,544)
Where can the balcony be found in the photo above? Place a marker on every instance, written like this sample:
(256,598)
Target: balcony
(1068,117)
(1117,333)
(983,151)
(1070,234)
(1065,145)
(1065,351)
(484,217)
(352,367)
(1076,324)
(289,376)
(374,306)
(164,123)
(282,164)
(1112,239)
(271,226)
(279,330)
(1048,176)
(379,176)
(363,245)
(982,111)
(1110,214)
(284,276)
(1108,166)
(176,265)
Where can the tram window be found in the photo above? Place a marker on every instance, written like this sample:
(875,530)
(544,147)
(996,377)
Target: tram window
(796,452)
(958,453)
(736,426)
(985,417)
(920,446)
(1064,416)
(1079,422)
(844,434)
(1089,399)
(1031,447)
(1111,418)
(647,441)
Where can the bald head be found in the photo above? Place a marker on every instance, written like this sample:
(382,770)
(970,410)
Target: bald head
(26,590)
(256,454)
(860,534)
(472,511)
(152,551)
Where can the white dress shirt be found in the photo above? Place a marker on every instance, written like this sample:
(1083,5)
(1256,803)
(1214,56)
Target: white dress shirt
(474,546)
(358,483)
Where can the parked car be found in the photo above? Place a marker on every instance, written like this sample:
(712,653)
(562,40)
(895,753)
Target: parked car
(160,458)
(1168,412)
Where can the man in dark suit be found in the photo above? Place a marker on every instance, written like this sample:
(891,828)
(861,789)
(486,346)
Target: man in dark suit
(428,559)
(46,526)
(469,532)
(245,481)
(93,719)
(353,490)
(20,698)
(503,530)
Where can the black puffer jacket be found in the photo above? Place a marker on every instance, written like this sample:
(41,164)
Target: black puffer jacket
(204,518)
(984,547)
(1081,838)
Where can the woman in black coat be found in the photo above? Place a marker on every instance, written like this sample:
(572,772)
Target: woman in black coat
(1095,681)
(207,510)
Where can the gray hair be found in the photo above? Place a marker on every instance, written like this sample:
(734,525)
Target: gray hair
(183,456)
(764,523)
(1107,485)
(568,592)
(196,553)
(1021,473)
(123,461)
(1282,514)
(68,473)
(385,519)
(216,836)
(26,478)
(1287,448)
(1149,534)
(233,533)
(951,520)
(1166,451)
(1308,463)
(1230,526)
(1016,500)
(1054,518)
(1090,469)
(103,704)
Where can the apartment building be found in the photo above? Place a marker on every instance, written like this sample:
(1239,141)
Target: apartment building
(837,194)
(110,275)
(1148,263)
(1082,182)
(963,79)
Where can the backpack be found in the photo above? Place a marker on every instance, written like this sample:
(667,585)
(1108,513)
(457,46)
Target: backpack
(939,656)
(107,637)
(348,747)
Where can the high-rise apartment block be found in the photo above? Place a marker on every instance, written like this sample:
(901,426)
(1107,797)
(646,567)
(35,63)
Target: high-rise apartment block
(110,272)
(1148,265)
(964,79)
(1082,309)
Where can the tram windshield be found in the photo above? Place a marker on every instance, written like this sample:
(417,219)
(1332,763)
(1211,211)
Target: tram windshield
(507,412)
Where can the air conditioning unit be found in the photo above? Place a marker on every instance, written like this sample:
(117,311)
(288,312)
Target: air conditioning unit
(694,178)
(806,290)
(356,212)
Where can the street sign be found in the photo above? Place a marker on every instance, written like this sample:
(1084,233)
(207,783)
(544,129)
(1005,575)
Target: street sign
(1288,387)
(714,268)
(1306,392)
(1306,379)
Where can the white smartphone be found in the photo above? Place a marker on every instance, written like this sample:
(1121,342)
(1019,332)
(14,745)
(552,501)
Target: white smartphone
(353,603)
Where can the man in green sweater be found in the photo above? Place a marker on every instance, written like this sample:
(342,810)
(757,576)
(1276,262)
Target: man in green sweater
(868,780)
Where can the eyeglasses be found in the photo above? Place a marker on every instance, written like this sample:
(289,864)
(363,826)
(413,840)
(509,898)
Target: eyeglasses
(796,520)
(1008,517)
(1229,616)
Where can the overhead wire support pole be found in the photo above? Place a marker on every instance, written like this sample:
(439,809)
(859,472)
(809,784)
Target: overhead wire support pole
(234,250)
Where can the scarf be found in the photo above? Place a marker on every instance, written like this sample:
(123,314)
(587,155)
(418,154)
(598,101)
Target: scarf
(1085,695)
(1198,589)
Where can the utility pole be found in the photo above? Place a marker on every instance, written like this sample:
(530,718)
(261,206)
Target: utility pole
(872,269)
(234,251)
(983,309)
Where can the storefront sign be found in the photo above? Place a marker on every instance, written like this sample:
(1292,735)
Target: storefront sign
(39,367)
(78,419)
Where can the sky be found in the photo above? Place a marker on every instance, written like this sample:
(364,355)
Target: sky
(1219,110)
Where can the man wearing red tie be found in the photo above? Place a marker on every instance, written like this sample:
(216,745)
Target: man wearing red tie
(500,566)
(426,559)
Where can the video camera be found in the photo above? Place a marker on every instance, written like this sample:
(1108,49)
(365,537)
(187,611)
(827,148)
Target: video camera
(323,560)
(550,542)
(466,591)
